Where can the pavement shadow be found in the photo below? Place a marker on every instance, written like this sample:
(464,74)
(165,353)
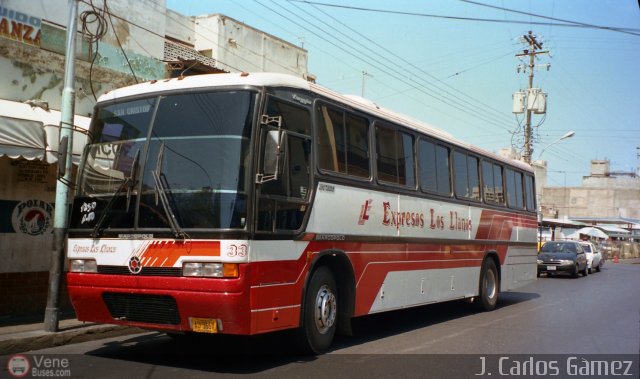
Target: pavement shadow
(255,354)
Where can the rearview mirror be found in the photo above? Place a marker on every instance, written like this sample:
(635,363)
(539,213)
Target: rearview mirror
(274,156)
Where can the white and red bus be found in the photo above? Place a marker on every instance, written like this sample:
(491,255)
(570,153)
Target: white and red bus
(251,203)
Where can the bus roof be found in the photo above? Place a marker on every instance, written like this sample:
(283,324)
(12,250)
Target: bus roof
(263,79)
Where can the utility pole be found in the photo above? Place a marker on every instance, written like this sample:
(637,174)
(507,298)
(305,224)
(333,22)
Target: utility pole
(531,52)
(61,215)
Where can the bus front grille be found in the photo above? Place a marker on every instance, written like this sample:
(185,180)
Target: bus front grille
(153,309)
(146,271)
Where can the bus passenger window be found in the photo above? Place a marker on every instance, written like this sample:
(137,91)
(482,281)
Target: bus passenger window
(514,189)
(343,142)
(474,178)
(395,157)
(492,183)
(487,182)
(530,190)
(467,183)
(497,182)
(443,172)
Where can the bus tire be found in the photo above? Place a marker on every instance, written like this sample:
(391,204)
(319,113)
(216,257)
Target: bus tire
(489,286)
(319,318)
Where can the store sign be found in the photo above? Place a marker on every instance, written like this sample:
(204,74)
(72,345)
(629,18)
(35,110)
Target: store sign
(20,26)
(32,217)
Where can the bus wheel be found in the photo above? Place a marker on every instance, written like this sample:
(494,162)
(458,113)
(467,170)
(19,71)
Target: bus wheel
(320,312)
(489,286)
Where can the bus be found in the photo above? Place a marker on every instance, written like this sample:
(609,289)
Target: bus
(248,203)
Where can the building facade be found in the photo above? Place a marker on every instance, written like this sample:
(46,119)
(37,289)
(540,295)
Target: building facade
(603,194)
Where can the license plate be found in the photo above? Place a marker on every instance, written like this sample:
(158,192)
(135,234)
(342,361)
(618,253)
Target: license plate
(551,268)
(203,325)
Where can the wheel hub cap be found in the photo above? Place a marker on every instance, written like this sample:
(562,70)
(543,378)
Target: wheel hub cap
(325,310)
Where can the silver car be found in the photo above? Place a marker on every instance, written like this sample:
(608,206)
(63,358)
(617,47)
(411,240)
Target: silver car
(594,257)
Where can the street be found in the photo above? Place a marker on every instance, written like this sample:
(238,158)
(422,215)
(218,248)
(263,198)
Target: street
(597,315)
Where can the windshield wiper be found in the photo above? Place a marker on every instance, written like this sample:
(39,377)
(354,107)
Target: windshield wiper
(129,183)
(162,195)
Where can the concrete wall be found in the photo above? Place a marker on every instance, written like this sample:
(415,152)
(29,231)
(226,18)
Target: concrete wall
(591,202)
(622,250)
(27,196)
(540,172)
(34,69)
(611,182)
(31,73)
(603,194)
(239,47)
(180,27)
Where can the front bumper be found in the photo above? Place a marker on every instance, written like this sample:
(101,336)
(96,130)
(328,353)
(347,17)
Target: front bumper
(556,267)
(160,303)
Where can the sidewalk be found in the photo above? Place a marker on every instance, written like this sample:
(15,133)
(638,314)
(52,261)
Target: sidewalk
(21,338)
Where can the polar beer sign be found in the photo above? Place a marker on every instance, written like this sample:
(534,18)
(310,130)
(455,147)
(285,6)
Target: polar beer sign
(20,26)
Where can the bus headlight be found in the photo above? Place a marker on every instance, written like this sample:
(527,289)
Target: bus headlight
(210,269)
(83,265)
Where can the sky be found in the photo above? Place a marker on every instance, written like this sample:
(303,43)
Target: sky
(452,64)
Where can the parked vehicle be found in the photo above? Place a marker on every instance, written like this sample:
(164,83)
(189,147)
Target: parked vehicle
(562,256)
(594,257)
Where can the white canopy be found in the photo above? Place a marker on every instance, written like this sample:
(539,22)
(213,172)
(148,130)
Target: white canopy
(589,231)
(33,133)
(614,229)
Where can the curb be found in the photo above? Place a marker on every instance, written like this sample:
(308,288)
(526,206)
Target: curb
(35,340)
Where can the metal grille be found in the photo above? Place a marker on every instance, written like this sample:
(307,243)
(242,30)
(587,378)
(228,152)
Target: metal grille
(175,52)
(153,309)
(146,271)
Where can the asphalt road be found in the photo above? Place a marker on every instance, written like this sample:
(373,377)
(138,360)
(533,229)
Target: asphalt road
(553,320)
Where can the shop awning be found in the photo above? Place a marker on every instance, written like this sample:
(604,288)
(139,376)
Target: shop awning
(33,133)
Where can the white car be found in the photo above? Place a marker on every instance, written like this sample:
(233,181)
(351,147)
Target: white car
(594,257)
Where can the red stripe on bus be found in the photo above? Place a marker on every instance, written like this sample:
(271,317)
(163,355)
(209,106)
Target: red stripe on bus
(167,253)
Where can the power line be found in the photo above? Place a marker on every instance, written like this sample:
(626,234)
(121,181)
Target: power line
(572,24)
(576,23)
(286,30)
(383,48)
(480,64)
(400,76)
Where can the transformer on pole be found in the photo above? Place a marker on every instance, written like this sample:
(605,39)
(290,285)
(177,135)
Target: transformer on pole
(532,100)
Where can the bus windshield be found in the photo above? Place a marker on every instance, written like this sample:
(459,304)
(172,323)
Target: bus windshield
(179,158)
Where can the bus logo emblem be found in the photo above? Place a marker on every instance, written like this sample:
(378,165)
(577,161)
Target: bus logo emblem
(135,266)
(364,212)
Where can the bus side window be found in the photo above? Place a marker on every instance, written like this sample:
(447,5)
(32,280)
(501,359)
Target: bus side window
(489,188)
(466,178)
(497,181)
(529,192)
(515,197)
(434,168)
(492,183)
(395,161)
(343,142)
